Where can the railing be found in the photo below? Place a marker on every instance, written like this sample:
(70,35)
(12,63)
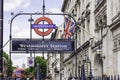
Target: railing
(111,77)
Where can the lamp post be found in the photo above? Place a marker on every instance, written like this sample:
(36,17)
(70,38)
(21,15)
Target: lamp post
(87,60)
(90,74)
(99,52)
(79,72)
(38,75)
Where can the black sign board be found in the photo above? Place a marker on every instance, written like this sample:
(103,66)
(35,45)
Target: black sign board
(37,45)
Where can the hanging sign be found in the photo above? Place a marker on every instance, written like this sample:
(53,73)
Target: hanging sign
(25,45)
(36,26)
(30,61)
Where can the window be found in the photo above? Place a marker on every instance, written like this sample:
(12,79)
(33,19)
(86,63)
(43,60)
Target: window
(119,42)
(115,7)
(83,33)
(87,2)
(79,37)
(97,2)
(73,12)
(88,24)
(112,7)
(115,43)
(97,28)
(83,5)
(70,1)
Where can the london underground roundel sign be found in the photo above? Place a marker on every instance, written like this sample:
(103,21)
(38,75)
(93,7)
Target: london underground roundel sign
(49,21)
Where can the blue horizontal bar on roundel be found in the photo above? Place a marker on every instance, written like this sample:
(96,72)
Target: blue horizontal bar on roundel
(41,26)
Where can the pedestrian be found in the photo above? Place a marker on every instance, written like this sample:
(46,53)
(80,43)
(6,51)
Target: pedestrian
(27,78)
(70,77)
(73,78)
(108,78)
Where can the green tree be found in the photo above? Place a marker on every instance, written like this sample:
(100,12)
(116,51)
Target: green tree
(10,68)
(27,71)
(42,63)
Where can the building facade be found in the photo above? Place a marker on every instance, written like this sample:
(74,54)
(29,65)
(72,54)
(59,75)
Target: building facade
(97,35)
(114,22)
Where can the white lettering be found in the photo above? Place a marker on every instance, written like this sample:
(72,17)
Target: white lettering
(59,46)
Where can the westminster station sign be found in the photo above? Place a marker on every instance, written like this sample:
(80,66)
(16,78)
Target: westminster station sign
(37,45)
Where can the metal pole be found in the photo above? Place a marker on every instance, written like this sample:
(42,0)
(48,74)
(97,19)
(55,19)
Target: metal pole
(102,70)
(10,36)
(78,72)
(82,72)
(43,7)
(38,72)
(34,59)
(40,14)
(30,20)
(90,71)
(1,35)
(90,75)
(43,21)
(76,54)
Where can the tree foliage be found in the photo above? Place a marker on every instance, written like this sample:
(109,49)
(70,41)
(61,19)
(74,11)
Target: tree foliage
(9,62)
(27,71)
(42,63)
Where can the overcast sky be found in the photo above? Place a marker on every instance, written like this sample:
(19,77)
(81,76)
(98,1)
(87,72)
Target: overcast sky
(21,26)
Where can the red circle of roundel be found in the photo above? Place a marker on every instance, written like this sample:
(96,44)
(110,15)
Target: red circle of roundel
(40,32)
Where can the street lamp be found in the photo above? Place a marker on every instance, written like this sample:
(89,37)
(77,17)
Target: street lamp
(100,53)
(90,76)
(101,56)
(87,60)
(79,71)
